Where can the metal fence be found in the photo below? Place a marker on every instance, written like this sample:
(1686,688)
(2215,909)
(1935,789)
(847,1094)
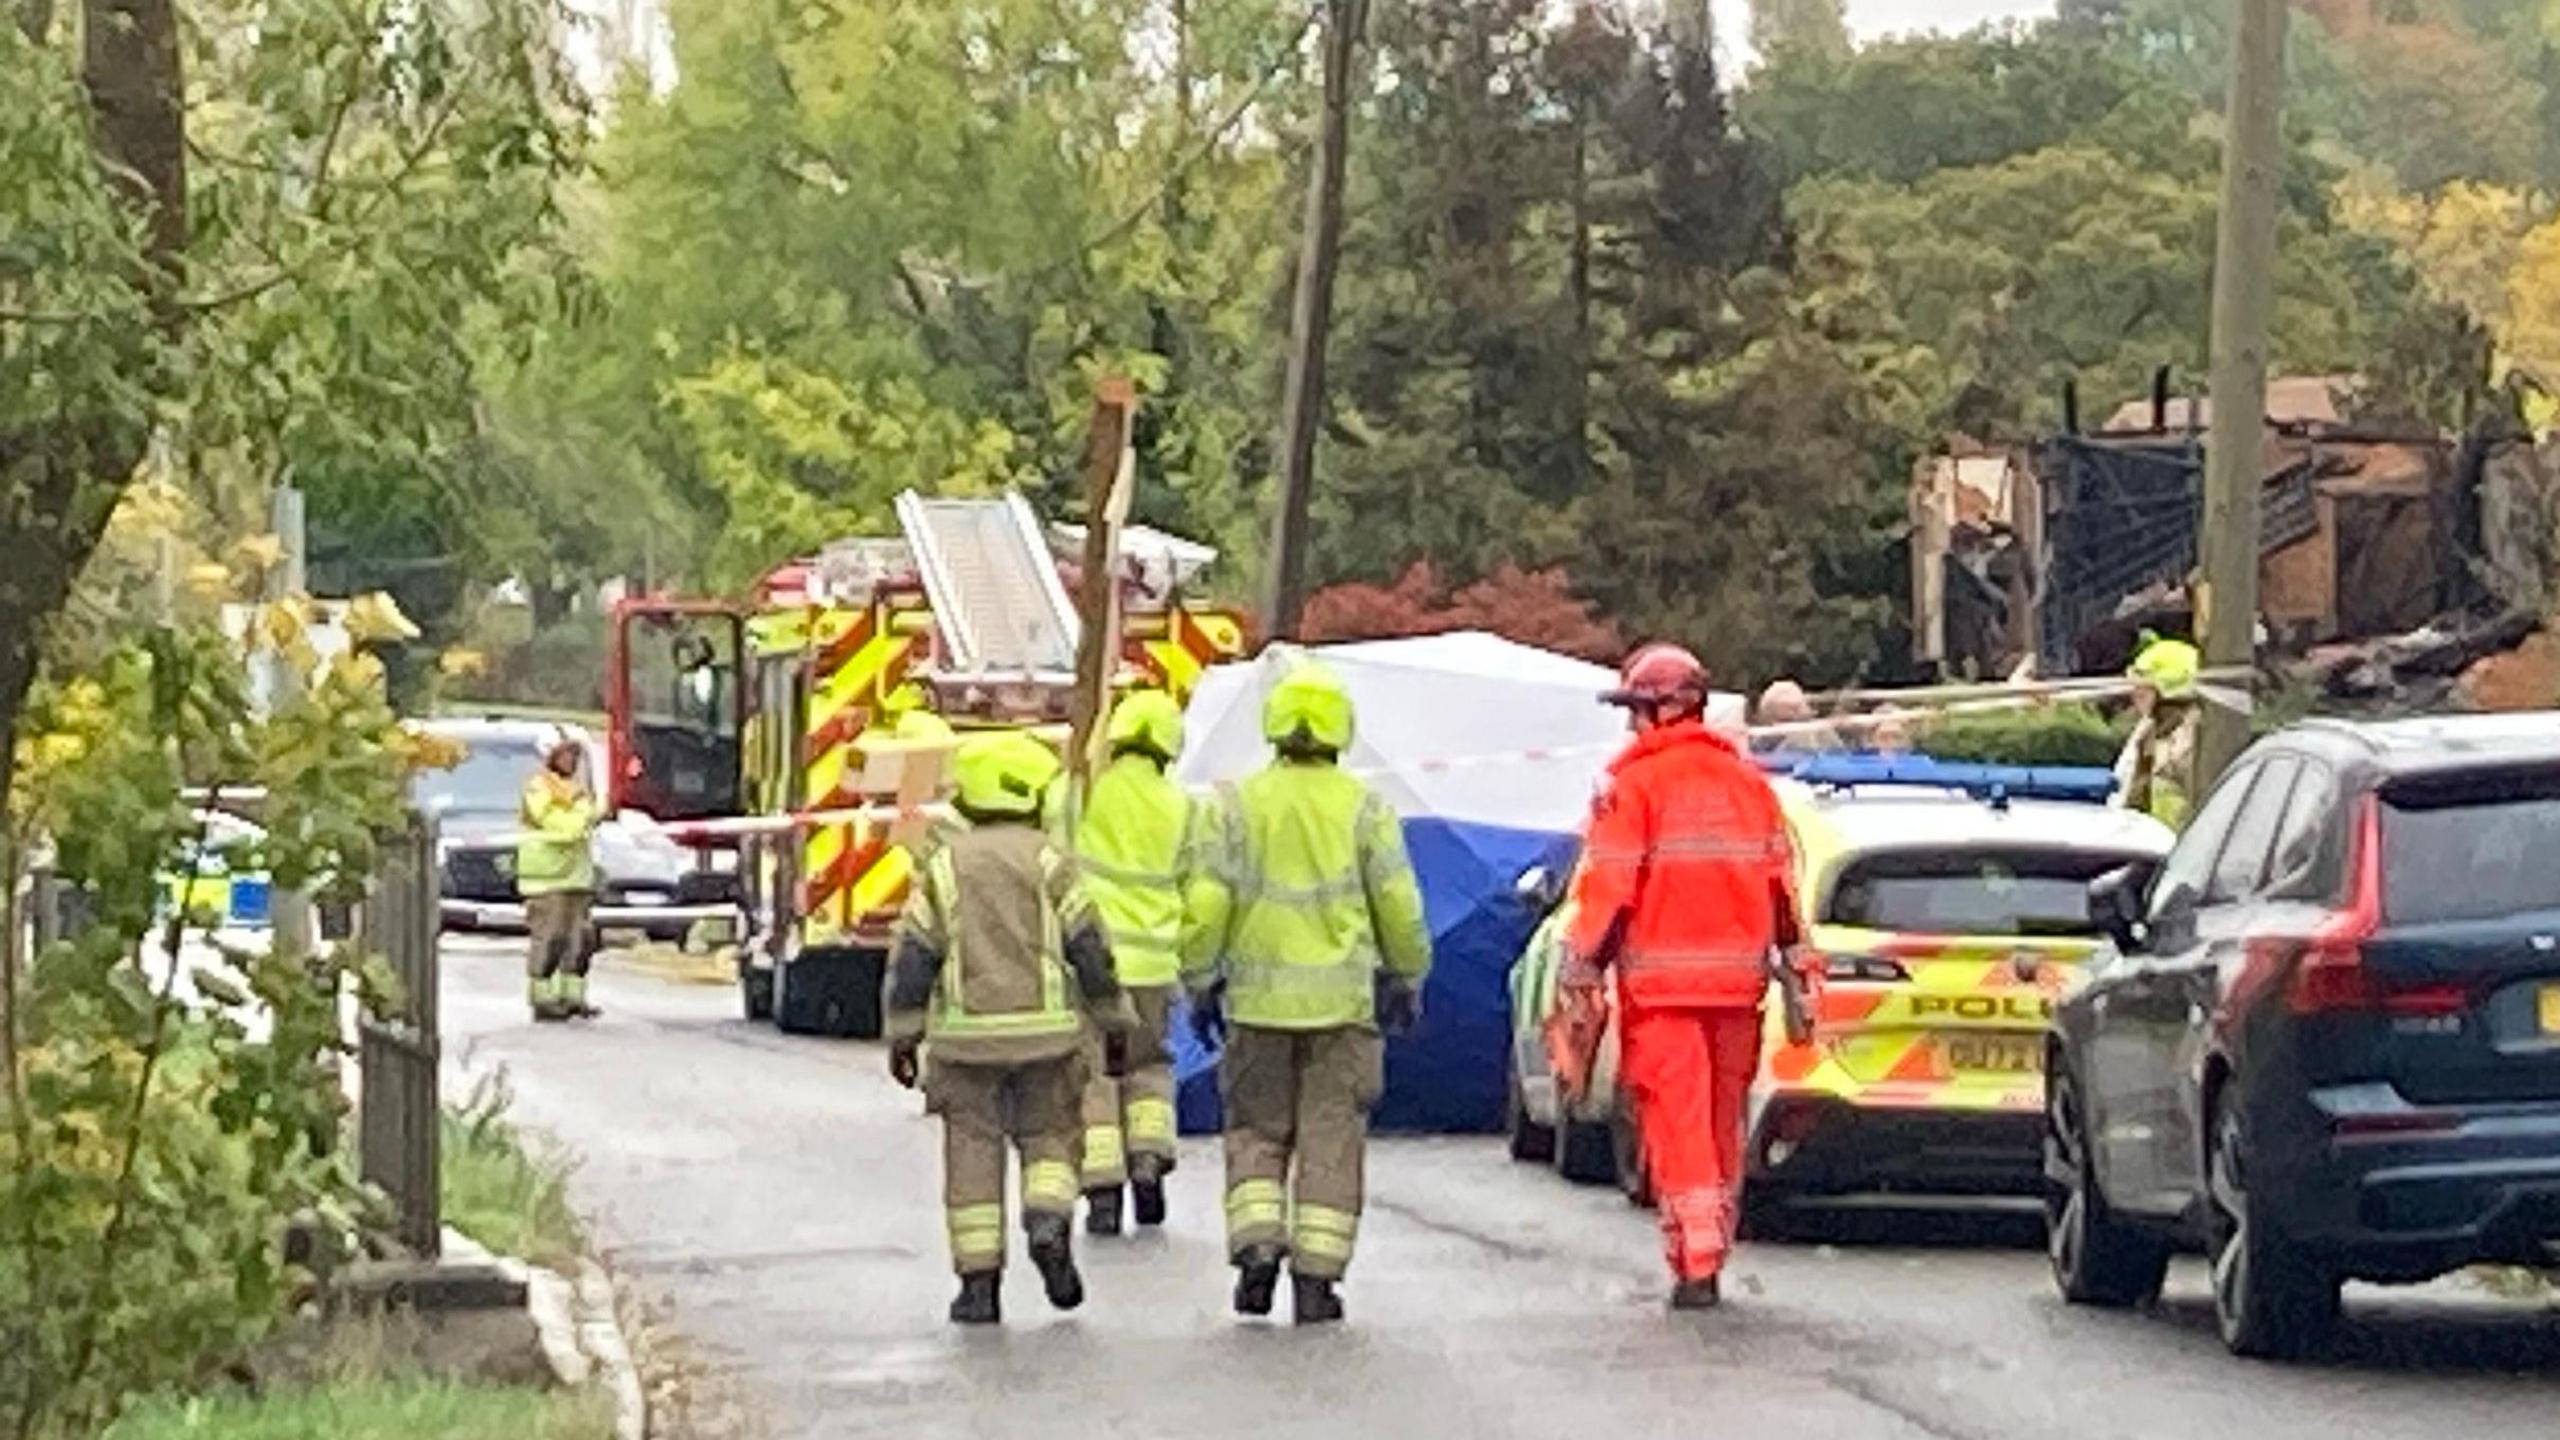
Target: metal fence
(400,1120)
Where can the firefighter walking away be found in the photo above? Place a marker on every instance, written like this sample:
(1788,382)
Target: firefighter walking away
(556,875)
(1138,842)
(1313,941)
(1684,893)
(1000,966)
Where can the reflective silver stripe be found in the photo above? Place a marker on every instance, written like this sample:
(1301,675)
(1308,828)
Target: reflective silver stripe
(1614,857)
(1657,959)
(1123,875)
(1348,975)
(1714,847)
(1257,891)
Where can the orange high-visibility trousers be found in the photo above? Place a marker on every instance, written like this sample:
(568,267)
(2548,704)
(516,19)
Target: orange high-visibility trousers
(1689,1072)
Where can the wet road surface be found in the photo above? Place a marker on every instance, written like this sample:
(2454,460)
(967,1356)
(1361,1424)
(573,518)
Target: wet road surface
(782,1195)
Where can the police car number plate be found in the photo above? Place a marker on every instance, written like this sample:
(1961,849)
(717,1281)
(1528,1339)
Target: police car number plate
(1995,1054)
(2551,1009)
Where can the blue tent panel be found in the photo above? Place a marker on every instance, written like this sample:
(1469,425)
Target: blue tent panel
(1447,1075)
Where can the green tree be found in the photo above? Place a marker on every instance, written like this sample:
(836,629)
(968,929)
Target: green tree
(1819,27)
(827,193)
(1902,109)
(252,235)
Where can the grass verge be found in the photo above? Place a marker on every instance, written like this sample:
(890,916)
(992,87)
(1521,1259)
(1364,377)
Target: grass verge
(377,1409)
(506,1191)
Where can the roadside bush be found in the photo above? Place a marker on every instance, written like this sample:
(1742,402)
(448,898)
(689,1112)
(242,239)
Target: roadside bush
(152,1152)
(2062,734)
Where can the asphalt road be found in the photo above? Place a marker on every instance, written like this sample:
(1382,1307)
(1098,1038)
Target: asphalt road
(782,1196)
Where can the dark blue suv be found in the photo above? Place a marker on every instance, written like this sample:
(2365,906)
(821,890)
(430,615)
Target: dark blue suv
(2326,1041)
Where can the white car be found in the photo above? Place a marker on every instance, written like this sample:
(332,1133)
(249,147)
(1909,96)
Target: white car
(645,881)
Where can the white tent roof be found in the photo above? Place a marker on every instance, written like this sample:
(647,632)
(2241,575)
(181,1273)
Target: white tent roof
(1467,726)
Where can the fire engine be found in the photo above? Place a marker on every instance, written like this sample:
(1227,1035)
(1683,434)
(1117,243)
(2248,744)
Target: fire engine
(769,729)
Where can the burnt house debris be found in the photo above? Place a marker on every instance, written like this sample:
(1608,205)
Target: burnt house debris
(2061,551)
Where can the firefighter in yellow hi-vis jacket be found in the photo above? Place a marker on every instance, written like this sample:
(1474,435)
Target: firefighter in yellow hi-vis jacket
(1000,965)
(556,875)
(1138,843)
(1312,939)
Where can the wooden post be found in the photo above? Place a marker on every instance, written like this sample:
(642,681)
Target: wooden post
(1311,323)
(2243,313)
(1110,475)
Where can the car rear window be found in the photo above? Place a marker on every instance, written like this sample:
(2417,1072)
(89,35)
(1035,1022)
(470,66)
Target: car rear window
(488,781)
(2471,847)
(1971,891)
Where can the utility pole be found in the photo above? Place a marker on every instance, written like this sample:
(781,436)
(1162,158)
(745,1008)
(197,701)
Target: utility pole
(289,914)
(1311,321)
(2243,313)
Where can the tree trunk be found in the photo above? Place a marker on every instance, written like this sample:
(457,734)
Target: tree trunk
(59,482)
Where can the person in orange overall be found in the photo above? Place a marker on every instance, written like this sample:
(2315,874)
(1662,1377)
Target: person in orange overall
(1684,893)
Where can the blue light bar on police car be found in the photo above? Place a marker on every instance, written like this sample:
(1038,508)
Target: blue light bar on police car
(2086,783)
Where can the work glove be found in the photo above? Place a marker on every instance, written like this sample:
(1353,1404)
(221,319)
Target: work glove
(1115,1054)
(903,1061)
(1399,1004)
(1209,1016)
(1798,973)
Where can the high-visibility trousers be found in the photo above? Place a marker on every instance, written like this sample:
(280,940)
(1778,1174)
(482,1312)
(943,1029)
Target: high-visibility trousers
(987,1109)
(1298,1104)
(1689,1072)
(559,944)
(1132,1115)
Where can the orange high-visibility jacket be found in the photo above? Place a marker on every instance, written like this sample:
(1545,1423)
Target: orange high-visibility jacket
(1684,873)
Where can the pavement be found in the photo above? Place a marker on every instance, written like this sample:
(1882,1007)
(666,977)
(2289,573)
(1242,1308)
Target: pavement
(780,1197)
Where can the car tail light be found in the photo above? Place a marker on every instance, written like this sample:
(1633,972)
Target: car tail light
(2329,973)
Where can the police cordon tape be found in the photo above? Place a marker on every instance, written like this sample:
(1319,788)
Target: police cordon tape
(1986,698)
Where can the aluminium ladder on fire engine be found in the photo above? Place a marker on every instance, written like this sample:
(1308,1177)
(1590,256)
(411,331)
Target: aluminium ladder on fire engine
(1002,612)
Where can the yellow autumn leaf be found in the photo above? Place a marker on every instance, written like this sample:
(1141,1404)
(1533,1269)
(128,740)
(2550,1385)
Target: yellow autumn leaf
(258,553)
(375,618)
(281,625)
(209,581)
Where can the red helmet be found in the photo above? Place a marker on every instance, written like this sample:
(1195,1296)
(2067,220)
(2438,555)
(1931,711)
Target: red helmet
(1659,674)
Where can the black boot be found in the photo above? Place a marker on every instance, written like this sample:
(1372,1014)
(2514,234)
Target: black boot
(1704,1294)
(1257,1279)
(1053,1253)
(1146,1189)
(981,1299)
(1102,1210)
(1313,1301)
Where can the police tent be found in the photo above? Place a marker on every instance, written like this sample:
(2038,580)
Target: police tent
(1490,751)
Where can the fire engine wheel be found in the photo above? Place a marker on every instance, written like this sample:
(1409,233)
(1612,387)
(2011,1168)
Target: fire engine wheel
(755,988)
(830,992)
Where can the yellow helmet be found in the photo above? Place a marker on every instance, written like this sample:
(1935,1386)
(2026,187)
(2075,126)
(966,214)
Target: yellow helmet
(1004,773)
(921,726)
(2168,666)
(1147,720)
(1308,701)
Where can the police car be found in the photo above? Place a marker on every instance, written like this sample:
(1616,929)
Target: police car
(1950,905)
